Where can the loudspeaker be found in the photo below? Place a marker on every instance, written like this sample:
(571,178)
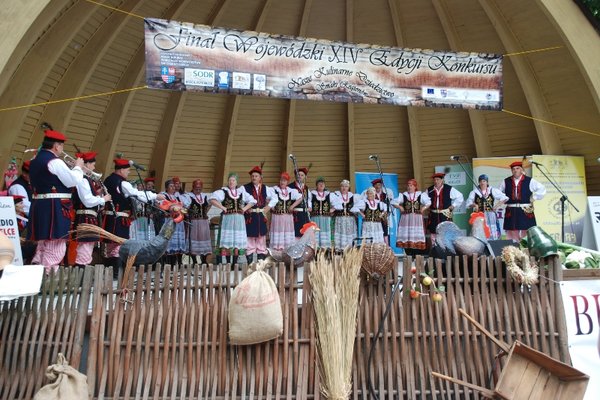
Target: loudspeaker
(497,246)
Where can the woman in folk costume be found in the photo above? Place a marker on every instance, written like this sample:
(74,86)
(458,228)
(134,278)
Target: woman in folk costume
(301,213)
(234,202)
(319,205)
(344,204)
(199,230)
(142,225)
(487,200)
(282,204)
(411,228)
(177,245)
(373,211)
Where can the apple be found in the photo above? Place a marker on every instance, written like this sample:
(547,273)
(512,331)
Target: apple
(437,297)
(413,270)
(414,294)
(427,280)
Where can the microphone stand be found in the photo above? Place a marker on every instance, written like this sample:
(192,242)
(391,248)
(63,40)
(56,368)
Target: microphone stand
(563,199)
(387,197)
(468,175)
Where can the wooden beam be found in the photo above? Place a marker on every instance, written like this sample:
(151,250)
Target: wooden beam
(109,131)
(580,38)
(547,135)
(225,149)
(34,68)
(74,81)
(288,139)
(226,143)
(413,121)
(163,147)
(479,130)
(351,115)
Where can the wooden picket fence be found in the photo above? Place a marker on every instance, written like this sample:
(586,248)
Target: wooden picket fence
(166,337)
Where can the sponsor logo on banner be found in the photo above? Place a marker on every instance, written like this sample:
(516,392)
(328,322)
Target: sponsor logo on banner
(199,77)
(223,80)
(455,178)
(260,82)
(241,80)
(304,68)
(167,74)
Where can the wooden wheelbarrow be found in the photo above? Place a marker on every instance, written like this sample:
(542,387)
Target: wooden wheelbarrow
(528,374)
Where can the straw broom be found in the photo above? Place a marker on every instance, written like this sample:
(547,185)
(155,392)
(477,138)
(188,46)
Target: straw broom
(335,288)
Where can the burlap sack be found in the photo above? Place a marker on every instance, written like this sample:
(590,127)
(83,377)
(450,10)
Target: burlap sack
(67,383)
(255,314)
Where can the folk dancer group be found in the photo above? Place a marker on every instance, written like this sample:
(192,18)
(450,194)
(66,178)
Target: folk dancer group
(49,191)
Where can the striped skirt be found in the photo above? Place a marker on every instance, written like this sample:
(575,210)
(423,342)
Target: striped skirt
(492,221)
(142,229)
(233,232)
(200,237)
(282,231)
(177,244)
(324,235)
(344,231)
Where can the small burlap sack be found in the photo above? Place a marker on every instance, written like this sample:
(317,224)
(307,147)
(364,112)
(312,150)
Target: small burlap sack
(67,383)
(255,314)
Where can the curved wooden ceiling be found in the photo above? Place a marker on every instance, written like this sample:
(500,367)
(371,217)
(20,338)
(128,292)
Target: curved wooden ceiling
(77,48)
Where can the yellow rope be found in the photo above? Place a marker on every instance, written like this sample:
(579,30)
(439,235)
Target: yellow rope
(532,51)
(46,103)
(550,123)
(114,9)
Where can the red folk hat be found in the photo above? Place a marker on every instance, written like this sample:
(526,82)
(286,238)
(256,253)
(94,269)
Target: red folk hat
(176,179)
(285,176)
(25,166)
(303,169)
(150,179)
(376,181)
(440,175)
(121,163)
(17,198)
(90,156)
(517,164)
(256,169)
(54,136)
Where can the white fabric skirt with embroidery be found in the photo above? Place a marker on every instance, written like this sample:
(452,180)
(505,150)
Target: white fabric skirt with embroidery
(282,231)
(344,232)
(200,237)
(233,232)
(372,230)
(411,232)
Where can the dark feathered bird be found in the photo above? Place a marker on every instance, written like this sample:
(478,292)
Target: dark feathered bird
(450,240)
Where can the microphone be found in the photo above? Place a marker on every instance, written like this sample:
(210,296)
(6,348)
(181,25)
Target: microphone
(598,159)
(536,163)
(291,156)
(136,166)
(454,158)
(373,157)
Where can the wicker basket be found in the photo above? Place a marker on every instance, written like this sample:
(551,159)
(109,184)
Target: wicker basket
(378,259)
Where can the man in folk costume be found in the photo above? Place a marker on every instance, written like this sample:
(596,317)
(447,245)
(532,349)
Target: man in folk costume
(444,199)
(22,187)
(487,200)
(50,212)
(199,228)
(87,200)
(256,220)
(301,215)
(150,184)
(118,218)
(522,191)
